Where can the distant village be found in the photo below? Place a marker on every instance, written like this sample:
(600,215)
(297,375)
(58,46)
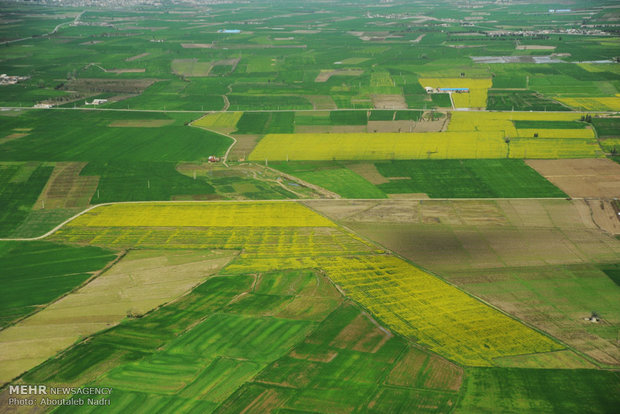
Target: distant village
(11,80)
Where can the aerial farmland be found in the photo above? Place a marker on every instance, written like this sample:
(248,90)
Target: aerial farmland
(309,207)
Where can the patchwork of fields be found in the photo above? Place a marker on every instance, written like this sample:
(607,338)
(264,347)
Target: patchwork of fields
(469,135)
(385,285)
(282,218)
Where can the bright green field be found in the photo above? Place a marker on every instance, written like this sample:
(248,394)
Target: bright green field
(35,273)
(466,178)
(335,178)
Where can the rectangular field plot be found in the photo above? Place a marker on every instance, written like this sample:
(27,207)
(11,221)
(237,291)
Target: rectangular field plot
(66,188)
(607,127)
(521,100)
(593,104)
(142,181)
(555,133)
(254,214)
(270,244)
(340,180)
(466,178)
(379,146)
(20,186)
(476,97)
(543,143)
(84,135)
(596,178)
(220,120)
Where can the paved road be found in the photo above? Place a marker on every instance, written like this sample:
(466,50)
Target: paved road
(443,110)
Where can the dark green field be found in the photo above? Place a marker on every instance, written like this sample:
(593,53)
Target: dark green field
(348,117)
(466,178)
(489,390)
(613,271)
(36,273)
(549,124)
(143,181)
(500,100)
(607,127)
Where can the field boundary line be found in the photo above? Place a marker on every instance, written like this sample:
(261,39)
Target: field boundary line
(293,110)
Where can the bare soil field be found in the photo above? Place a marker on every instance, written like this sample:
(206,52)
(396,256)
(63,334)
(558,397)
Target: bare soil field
(197,45)
(535,47)
(134,70)
(141,123)
(191,67)
(595,178)
(369,172)
(66,188)
(321,101)
(109,85)
(244,146)
(605,215)
(392,126)
(258,46)
(141,281)
(452,235)
(389,102)
(326,74)
(136,57)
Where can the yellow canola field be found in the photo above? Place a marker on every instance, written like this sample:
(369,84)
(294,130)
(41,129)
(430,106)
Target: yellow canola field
(380,146)
(475,98)
(490,121)
(255,214)
(556,133)
(260,242)
(550,148)
(421,306)
(219,120)
(611,103)
(285,235)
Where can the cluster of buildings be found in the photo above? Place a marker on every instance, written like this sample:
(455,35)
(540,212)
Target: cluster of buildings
(11,80)
(96,102)
(430,89)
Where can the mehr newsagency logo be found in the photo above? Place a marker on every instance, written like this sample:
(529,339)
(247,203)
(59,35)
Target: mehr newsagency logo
(31,395)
